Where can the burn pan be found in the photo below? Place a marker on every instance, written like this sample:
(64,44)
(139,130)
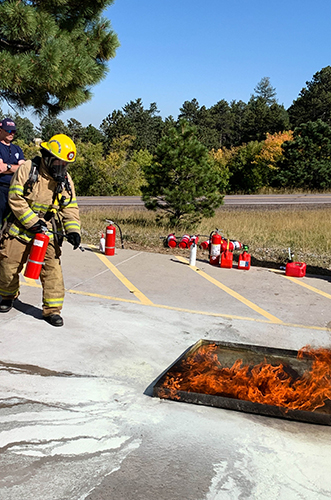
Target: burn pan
(227,354)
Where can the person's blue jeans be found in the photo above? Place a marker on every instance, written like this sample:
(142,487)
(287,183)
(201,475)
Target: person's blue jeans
(4,207)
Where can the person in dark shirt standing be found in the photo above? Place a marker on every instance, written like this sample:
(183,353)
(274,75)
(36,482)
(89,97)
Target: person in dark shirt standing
(11,157)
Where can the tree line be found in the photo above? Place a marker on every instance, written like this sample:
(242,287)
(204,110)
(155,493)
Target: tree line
(52,54)
(251,145)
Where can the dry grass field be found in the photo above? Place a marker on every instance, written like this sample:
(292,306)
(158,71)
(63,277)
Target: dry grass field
(268,233)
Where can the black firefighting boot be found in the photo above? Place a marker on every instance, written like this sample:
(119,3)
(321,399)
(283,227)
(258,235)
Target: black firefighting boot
(6,305)
(54,319)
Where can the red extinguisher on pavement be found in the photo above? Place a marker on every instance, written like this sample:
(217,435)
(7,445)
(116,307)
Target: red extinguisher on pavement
(204,245)
(171,240)
(215,248)
(184,242)
(110,239)
(37,255)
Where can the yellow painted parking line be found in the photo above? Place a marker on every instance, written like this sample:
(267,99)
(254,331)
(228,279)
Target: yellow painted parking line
(91,294)
(190,311)
(309,287)
(32,283)
(140,296)
(234,294)
(302,283)
(107,297)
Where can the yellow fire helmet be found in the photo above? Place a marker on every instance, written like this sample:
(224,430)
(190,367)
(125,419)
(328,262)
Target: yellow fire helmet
(62,147)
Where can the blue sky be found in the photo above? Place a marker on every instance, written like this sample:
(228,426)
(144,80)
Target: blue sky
(177,50)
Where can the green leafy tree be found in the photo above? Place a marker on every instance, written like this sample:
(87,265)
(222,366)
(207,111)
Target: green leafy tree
(75,129)
(182,180)
(119,173)
(260,118)
(144,124)
(92,134)
(29,150)
(87,171)
(53,51)
(314,101)
(306,160)
(50,126)
(247,175)
(125,170)
(114,125)
(220,159)
(77,132)
(134,177)
(24,129)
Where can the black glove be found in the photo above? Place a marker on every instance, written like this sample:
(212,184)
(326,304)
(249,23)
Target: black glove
(74,239)
(38,227)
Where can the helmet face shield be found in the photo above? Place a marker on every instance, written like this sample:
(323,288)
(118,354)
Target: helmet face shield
(57,169)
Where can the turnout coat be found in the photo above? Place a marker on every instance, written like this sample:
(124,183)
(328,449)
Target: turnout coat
(42,199)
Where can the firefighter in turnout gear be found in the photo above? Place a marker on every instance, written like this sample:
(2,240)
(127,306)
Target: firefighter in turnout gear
(42,199)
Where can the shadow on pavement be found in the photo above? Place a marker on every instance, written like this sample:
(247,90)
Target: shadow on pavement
(317,271)
(28,309)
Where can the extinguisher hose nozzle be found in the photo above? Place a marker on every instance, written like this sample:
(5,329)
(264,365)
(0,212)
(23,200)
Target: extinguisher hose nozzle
(65,236)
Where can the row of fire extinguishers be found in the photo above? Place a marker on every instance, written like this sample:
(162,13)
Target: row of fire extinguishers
(186,241)
(221,252)
(220,249)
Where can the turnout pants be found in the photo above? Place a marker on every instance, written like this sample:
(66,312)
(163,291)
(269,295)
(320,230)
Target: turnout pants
(13,256)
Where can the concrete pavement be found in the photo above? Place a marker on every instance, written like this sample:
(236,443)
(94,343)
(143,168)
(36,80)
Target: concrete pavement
(76,417)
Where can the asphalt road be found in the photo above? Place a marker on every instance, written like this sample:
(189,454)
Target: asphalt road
(230,200)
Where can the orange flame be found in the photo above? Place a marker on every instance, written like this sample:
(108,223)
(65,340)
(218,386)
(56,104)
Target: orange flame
(263,383)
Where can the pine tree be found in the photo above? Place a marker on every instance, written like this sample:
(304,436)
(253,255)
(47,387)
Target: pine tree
(182,179)
(52,52)
(314,101)
(265,91)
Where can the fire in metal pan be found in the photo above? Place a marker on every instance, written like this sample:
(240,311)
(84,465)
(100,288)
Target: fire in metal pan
(295,385)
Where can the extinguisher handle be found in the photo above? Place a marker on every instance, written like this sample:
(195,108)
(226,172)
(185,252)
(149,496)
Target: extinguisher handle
(39,227)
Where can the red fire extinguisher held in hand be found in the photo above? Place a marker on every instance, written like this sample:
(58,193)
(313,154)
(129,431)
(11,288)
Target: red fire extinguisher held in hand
(110,239)
(215,248)
(37,255)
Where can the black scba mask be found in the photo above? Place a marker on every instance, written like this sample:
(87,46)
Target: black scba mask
(57,171)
